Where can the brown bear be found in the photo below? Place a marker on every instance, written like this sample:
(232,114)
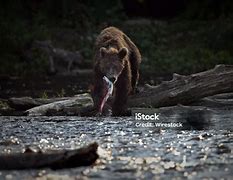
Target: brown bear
(118,59)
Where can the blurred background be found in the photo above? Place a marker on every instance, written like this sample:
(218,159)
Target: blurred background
(47,45)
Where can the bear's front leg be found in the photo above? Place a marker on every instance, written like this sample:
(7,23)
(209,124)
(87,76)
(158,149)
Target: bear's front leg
(119,107)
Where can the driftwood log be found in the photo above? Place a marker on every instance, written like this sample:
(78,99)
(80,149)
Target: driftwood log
(78,104)
(24,103)
(55,159)
(58,57)
(186,89)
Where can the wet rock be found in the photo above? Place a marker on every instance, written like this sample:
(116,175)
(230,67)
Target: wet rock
(9,142)
(221,149)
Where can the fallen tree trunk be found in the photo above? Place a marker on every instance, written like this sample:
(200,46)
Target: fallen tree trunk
(55,160)
(78,104)
(60,60)
(186,89)
(24,103)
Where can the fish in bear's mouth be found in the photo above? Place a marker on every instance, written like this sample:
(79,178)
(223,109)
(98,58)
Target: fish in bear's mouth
(108,90)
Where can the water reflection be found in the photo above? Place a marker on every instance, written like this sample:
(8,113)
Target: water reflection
(126,151)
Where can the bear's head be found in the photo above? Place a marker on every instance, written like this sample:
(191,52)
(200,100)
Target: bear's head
(112,62)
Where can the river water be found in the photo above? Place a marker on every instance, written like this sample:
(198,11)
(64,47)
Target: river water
(128,149)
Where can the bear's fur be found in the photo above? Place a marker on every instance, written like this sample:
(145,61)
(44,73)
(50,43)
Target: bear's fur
(117,58)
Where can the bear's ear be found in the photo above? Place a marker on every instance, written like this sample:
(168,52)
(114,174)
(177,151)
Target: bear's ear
(123,52)
(103,51)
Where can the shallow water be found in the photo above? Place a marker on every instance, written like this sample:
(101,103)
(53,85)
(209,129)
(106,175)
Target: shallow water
(126,151)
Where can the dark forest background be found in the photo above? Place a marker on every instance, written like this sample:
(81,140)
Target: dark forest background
(182,36)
